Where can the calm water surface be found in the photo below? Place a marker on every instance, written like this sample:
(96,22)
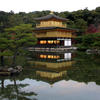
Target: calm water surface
(54,76)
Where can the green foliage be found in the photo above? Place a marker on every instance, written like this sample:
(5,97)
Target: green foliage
(81,24)
(15,19)
(22,28)
(80,19)
(4,41)
(6,53)
(11,44)
(89,41)
(22,37)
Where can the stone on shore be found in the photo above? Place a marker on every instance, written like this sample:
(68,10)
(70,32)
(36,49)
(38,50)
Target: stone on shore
(10,71)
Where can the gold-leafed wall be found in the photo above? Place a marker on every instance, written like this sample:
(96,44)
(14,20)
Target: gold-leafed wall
(51,24)
(54,34)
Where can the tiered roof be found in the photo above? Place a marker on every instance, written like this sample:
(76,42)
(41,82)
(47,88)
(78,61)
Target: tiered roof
(53,28)
(50,16)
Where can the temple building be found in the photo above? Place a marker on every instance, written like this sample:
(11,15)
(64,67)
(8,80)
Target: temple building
(52,31)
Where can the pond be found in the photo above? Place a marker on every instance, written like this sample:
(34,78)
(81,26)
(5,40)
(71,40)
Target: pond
(54,76)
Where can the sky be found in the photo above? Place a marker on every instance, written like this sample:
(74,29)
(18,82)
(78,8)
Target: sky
(53,5)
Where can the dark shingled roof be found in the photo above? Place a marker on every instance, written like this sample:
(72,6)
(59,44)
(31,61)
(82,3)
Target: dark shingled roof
(50,17)
(50,28)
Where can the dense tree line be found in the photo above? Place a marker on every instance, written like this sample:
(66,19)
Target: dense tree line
(81,19)
(88,41)
(14,41)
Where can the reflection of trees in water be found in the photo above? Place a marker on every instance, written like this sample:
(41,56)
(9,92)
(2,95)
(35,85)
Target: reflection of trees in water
(86,69)
(13,91)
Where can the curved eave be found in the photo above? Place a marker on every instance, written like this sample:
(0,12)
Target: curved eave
(51,16)
(53,28)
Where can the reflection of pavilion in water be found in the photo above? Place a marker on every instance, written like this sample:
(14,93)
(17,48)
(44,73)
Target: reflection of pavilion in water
(52,67)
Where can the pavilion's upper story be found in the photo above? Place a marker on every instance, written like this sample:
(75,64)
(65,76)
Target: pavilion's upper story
(51,20)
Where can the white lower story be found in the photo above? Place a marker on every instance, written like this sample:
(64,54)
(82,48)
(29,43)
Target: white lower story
(67,42)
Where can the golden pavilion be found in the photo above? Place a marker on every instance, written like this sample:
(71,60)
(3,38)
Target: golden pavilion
(52,31)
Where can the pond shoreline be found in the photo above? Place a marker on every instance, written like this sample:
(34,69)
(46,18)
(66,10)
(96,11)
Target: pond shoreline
(57,49)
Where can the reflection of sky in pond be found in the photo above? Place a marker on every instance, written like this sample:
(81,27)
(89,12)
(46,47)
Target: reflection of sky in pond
(62,90)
